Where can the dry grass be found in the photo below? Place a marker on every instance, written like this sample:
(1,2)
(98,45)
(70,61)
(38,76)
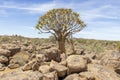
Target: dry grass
(96,46)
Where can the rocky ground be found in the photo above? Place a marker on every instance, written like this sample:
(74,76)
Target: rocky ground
(26,61)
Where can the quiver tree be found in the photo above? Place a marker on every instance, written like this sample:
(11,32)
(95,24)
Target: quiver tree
(62,23)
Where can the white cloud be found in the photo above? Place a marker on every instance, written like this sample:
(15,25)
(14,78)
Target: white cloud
(103,12)
(86,8)
(101,30)
(32,8)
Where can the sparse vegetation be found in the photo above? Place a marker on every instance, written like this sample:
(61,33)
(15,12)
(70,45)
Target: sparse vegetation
(96,46)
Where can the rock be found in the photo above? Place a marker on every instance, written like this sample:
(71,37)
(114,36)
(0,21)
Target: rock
(87,75)
(2,67)
(95,61)
(44,69)
(5,52)
(20,75)
(63,56)
(102,72)
(60,69)
(100,55)
(88,59)
(30,48)
(52,54)
(11,47)
(29,65)
(25,44)
(24,48)
(16,42)
(45,63)
(47,46)
(39,57)
(50,76)
(36,66)
(91,55)
(64,63)
(20,58)
(13,66)
(80,51)
(33,64)
(73,77)
(76,63)
(3,59)
(111,60)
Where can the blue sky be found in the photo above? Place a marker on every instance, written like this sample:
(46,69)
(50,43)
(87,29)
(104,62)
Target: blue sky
(101,16)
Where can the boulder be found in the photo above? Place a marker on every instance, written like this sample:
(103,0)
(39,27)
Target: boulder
(5,52)
(39,57)
(13,66)
(11,47)
(20,58)
(102,72)
(20,75)
(24,48)
(76,63)
(2,67)
(33,64)
(30,48)
(3,59)
(14,49)
(52,54)
(36,65)
(73,77)
(63,56)
(111,60)
(80,51)
(44,69)
(47,46)
(100,55)
(60,69)
(29,65)
(64,63)
(90,56)
(87,75)
(50,76)
(45,63)
(95,61)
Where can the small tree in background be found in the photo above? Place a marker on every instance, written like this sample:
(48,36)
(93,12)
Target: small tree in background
(62,23)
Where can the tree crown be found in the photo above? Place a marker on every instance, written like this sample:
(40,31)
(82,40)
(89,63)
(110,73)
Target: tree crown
(60,22)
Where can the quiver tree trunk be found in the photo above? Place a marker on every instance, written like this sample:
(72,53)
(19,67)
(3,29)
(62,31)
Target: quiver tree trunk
(61,44)
(72,46)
